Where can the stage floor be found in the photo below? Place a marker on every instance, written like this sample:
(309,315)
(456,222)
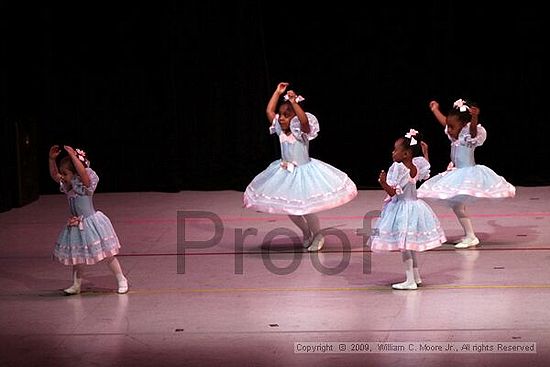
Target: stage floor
(227,295)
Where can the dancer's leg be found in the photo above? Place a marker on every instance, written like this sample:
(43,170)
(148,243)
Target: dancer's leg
(115,267)
(315,228)
(416,273)
(408,284)
(470,238)
(301,223)
(78,271)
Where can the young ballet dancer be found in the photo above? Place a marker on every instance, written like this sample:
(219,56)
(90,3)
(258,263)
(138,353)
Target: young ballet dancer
(407,224)
(464,181)
(297,185)
(88,236)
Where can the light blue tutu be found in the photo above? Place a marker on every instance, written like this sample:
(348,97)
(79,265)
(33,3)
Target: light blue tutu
(297,184)
(466,181)
(406,222)
(90,237)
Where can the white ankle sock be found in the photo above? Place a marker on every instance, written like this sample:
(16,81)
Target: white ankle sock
(75,288)
(409,272)
(122,283)
(120,277)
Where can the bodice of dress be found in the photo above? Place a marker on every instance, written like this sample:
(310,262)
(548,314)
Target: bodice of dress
(80,196)
(295,146)
(462,148)
(81,206)
(400,179)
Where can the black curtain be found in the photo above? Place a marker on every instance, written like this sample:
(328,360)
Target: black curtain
(171,96)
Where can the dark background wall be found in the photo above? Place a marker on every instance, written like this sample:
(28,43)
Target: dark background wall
(170,96)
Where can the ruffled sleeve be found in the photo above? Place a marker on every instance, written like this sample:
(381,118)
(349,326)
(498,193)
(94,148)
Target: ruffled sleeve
(79,187)
(275,127)
(63,187)
(478,140)
(423,167)
(397,177)
(296,129)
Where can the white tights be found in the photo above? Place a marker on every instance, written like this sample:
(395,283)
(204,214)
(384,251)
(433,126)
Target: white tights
(411,271)
(465,221)
(112,262)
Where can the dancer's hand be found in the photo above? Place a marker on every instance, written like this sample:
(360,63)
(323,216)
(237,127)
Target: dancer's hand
(424,146)
(382,177)
(434,105)
(70,150)
(54,152)
(281,87)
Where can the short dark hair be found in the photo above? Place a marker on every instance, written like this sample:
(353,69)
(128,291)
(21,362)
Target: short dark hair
(416,149)
(463,116)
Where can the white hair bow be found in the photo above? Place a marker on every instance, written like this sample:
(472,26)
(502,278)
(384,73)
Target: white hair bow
(298,98)
(81,155)
(461,105)
(411,134)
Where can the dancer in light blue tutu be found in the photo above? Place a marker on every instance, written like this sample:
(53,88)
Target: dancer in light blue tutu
(464,180)
(88,237)
(407,224)
(297,185)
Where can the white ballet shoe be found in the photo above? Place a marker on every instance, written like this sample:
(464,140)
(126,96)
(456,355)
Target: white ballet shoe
(468,242)
(122,286)
(72,290)
(75,288)
(405,286)
(317,244)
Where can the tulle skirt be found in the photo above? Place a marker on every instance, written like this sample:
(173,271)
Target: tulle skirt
(89,242)
(407,225)
(466,184)
(308,188)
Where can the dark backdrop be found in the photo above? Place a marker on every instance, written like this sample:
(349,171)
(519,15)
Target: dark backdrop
(170,96)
